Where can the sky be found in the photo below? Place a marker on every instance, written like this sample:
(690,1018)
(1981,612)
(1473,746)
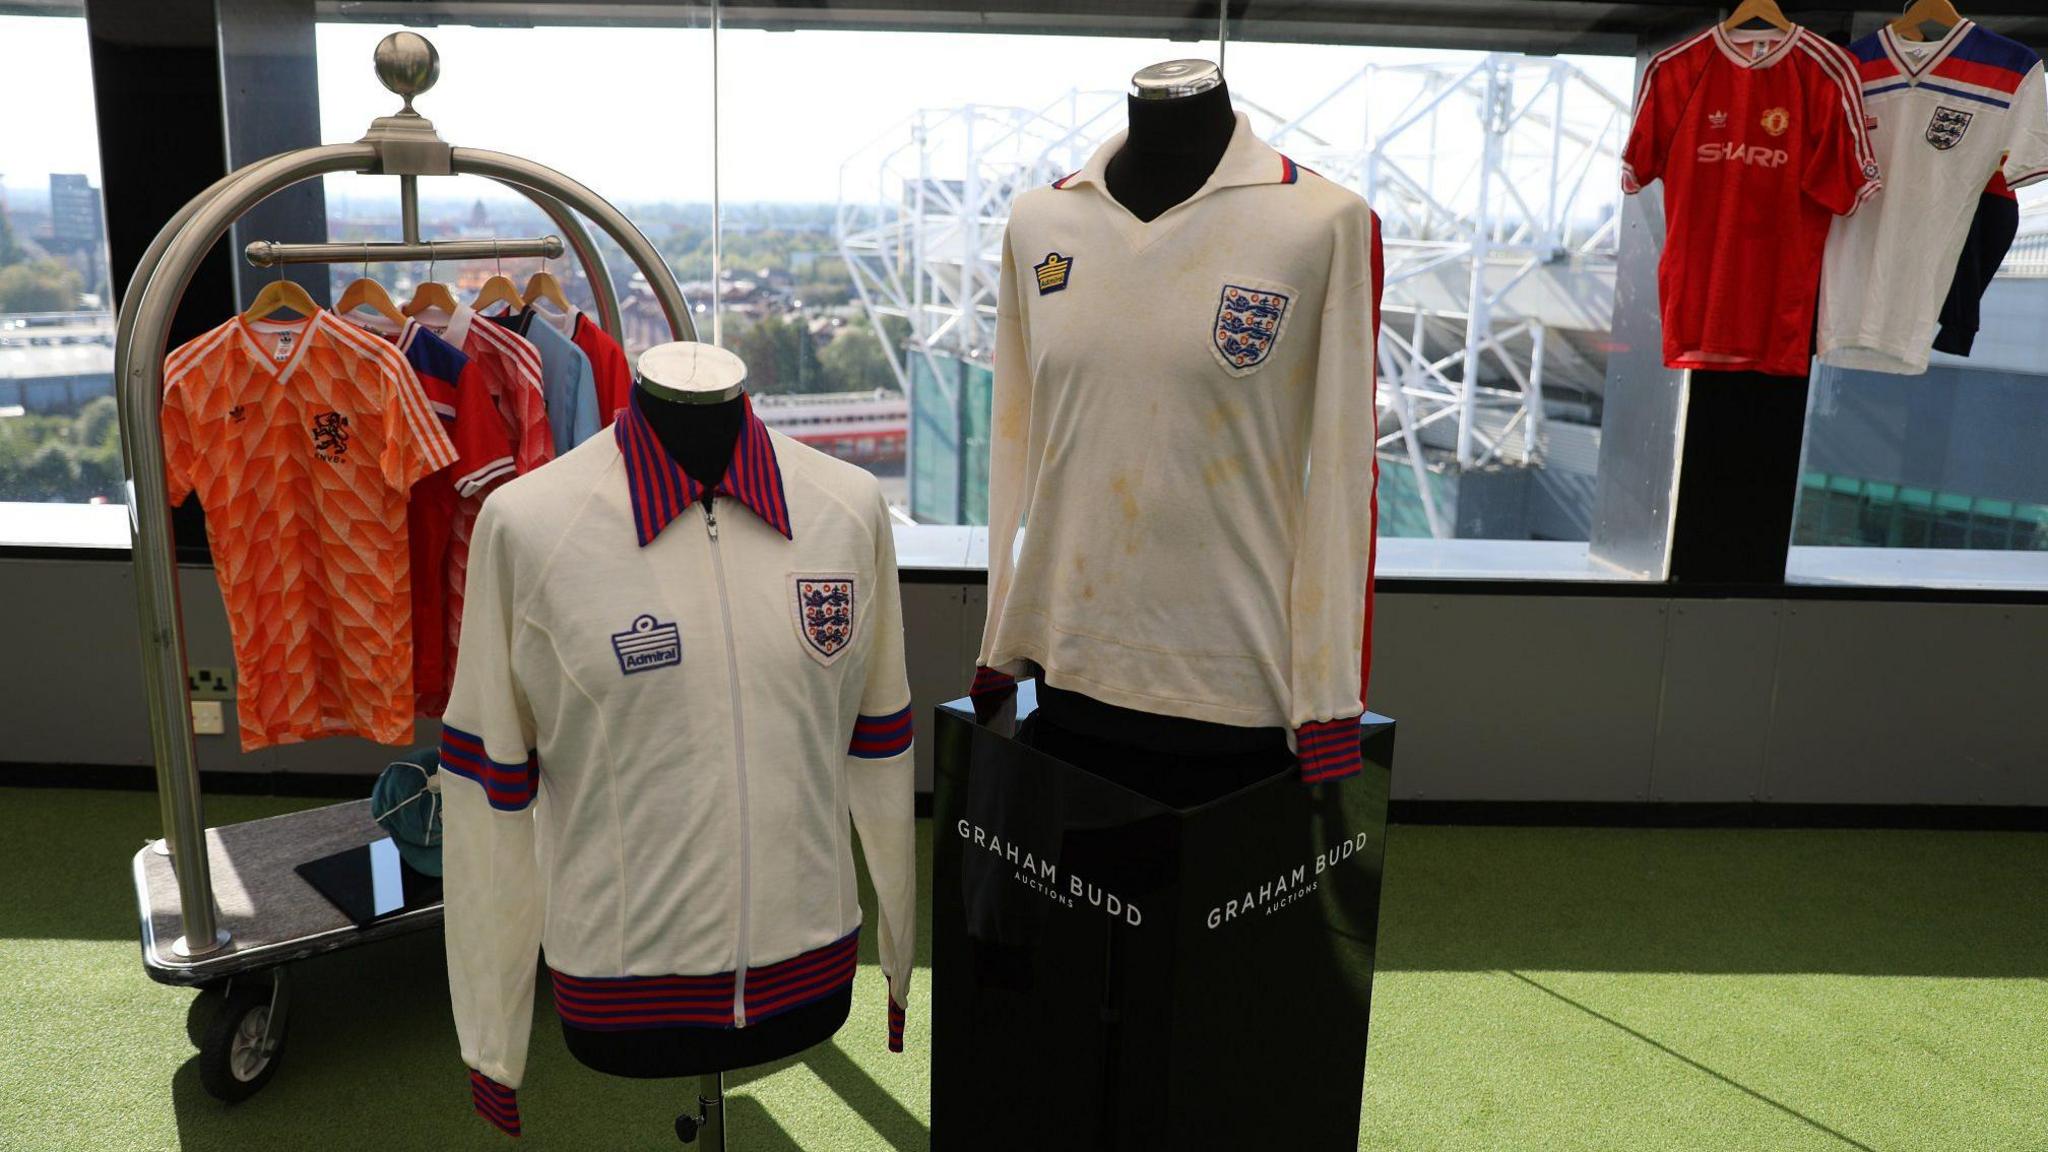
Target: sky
(795,105)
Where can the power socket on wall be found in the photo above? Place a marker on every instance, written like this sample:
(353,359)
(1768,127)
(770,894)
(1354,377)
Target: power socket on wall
(210,683)
(209,718)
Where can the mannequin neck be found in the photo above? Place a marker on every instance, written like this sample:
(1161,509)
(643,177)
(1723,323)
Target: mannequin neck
(1172,149)
(699,437)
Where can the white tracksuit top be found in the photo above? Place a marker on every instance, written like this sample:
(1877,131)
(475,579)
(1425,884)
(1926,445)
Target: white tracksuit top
(660,725)
(1184,424)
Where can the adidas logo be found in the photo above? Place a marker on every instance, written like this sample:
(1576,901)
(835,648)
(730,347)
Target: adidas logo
(1717,119)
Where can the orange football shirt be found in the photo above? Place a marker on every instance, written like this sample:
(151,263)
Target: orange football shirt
(302,440)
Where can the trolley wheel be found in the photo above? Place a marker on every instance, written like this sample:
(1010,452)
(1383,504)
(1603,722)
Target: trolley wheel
(240,1047)
(203,1009)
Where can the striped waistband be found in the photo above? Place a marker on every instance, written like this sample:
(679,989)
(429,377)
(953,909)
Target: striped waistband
(622,1003)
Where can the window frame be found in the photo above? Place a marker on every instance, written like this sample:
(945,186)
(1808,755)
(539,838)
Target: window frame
(144,180)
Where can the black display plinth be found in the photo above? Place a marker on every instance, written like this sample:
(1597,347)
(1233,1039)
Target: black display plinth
(1113,973)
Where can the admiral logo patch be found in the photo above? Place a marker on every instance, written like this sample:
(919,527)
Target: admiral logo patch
(1776,120)
(824,605)
(1945,130)
(1247,326)
(646,645)
(1052,272)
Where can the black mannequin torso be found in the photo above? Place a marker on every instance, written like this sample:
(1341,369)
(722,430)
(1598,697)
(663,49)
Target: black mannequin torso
(1171,151)
(701,438)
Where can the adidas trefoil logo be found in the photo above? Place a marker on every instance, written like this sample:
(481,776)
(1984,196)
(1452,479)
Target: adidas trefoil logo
(1717,119)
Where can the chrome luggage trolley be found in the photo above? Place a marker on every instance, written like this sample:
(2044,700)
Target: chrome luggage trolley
(235,938)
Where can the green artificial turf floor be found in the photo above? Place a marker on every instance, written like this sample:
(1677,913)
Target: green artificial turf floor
(1550,989)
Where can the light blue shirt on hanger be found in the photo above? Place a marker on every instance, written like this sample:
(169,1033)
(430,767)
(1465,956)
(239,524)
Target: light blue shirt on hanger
(566,381)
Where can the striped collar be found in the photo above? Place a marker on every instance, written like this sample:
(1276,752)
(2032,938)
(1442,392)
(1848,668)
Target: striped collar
(1926,60)
(1246,160)
(662,491)
(1777,45)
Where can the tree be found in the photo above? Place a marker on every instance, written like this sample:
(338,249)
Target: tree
(855,361)
(755,346)
(38,286)
(68,458)
(9,250)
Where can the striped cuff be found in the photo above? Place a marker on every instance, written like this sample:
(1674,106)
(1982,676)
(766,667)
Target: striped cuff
(495,1102)
(880,737)
(509,787)
(992,689)
(895,1025)
(1328,750)
(990,683)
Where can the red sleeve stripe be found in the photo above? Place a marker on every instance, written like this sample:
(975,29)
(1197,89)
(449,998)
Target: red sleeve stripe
(1328,750)
(1372,539)
(989,682)
(895,1025)
(2024,178)
(880,737)
(509,787)
(495,1102)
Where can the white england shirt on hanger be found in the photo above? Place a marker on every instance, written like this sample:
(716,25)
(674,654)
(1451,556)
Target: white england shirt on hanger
(1943,115)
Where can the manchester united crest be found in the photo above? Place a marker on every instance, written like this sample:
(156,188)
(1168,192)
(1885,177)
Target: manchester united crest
(1776,120)
(1248,324)
(824,613)
(1945,129)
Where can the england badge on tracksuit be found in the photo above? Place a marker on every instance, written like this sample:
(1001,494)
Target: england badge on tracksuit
(824,613)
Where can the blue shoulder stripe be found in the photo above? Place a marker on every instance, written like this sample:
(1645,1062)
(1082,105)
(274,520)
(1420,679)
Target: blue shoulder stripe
(1983,46)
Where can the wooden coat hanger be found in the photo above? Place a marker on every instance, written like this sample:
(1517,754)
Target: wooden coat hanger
(1764,10)
(430,294)
(543,286)
(367,293)
(279,295)
(1923,12)
(498,289)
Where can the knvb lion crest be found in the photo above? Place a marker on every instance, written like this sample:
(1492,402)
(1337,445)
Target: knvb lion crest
(1248,325)
(1945,130)
(330,436)
(824,614)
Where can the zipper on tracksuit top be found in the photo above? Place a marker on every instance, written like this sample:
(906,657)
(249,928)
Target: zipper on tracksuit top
(739,760)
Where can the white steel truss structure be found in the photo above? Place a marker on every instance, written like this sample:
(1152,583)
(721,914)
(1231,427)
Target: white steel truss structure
(1496,179)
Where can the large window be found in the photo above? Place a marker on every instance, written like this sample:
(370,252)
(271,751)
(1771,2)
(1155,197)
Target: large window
(832,198)
(859,241)
(1939,479)
(59,436)
(645,146)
